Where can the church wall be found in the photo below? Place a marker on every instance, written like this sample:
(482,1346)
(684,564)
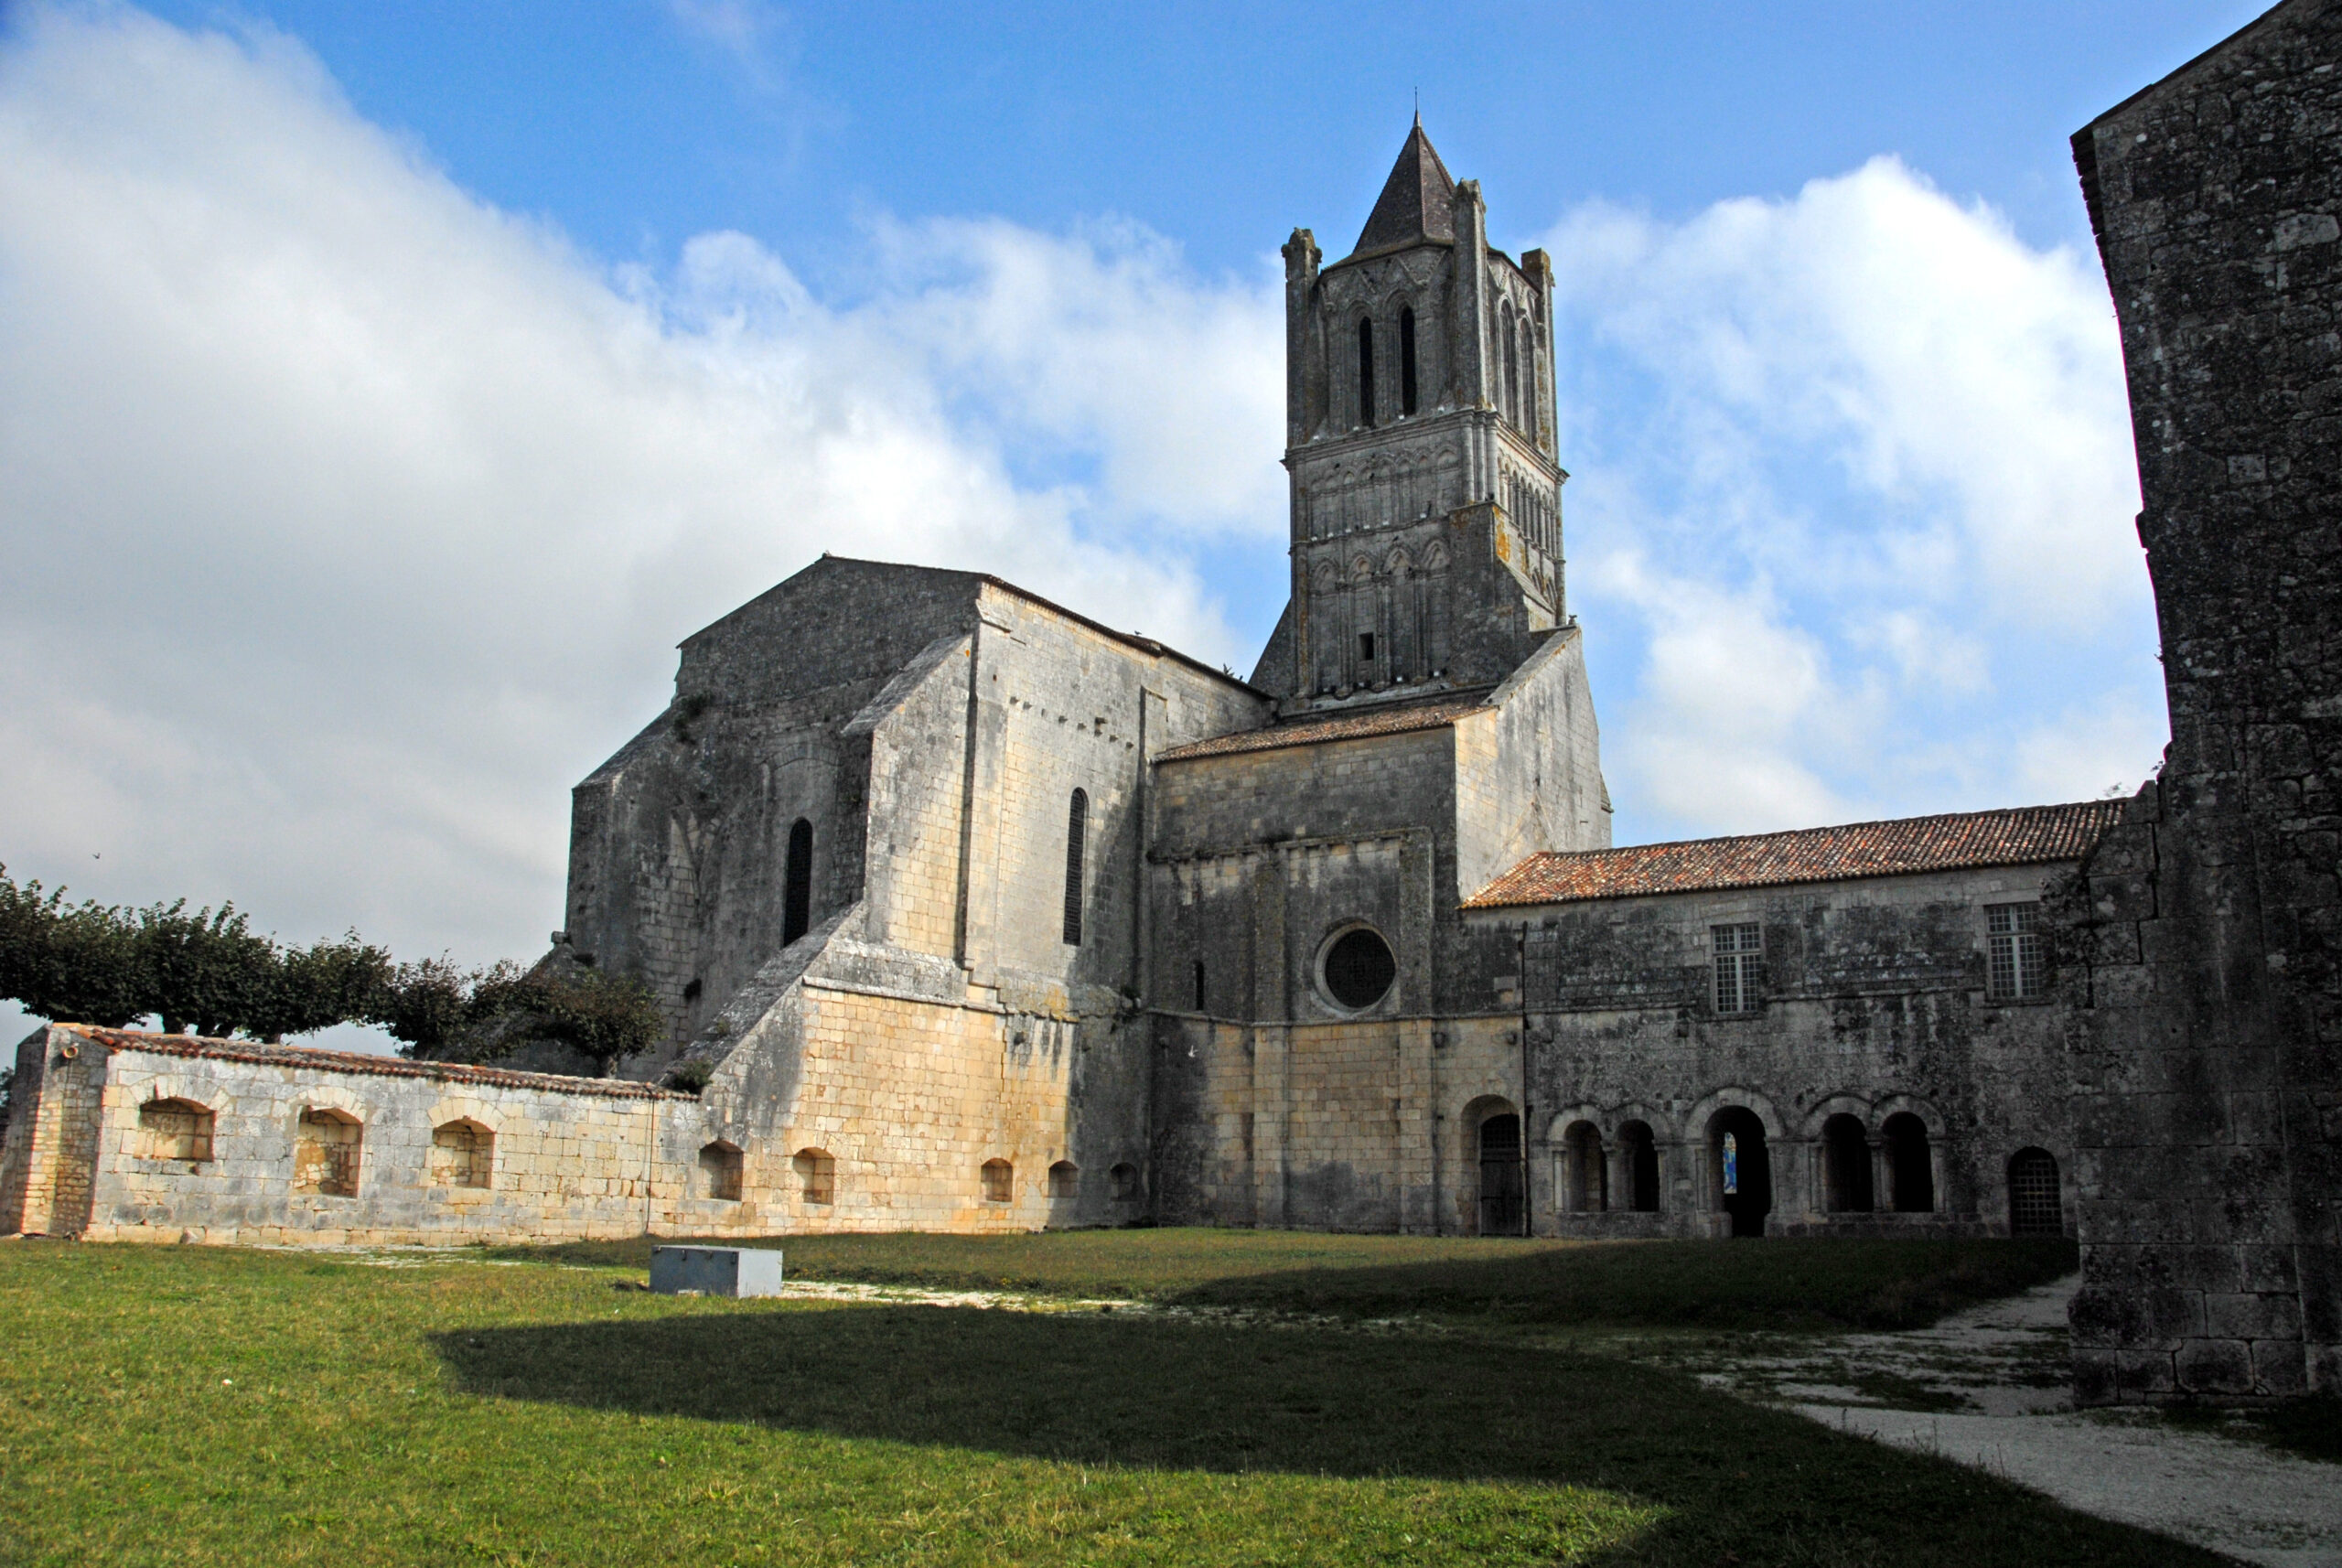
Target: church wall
(1259,857)
(2208,990)
(1529,774)
(1874,1002)
(679,842)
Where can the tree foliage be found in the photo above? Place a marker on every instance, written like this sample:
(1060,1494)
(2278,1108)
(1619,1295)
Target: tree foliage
(205,971)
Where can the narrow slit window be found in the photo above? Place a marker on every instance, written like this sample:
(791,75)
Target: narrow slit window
(1200,993)
(1076,829)
(1365,373)
(1407,360)
(797,883)
(1366,646)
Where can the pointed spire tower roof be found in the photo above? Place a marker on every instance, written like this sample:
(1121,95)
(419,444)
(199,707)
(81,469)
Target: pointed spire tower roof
(1413,206)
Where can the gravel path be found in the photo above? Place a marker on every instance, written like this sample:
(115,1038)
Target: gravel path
(1987,1388)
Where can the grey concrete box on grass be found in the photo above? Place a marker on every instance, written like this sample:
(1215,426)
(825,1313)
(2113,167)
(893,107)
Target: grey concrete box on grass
(715,1271)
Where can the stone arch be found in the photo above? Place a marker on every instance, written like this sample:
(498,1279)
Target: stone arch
(1064,1181)
(2037,1194)
(1845,1183)
(1910,1163)
(1639,1171)
(998,1180)
(1497,1154)
(328,1148)
(1584,1188)
(817,1175)
(1740,1167)
(463,1154)
(722,1170)
(1124,1181)
(174,1127)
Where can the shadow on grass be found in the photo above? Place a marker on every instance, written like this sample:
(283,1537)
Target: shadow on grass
(1780,1285)
(1100,1390)
(1793,1284)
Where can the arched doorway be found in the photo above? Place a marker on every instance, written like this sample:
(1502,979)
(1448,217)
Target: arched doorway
(1638,1157)
(1743,1166)
(2036,1208)
(1910,1164)
(1504,1198)
(1845,1166)
(1585,1177)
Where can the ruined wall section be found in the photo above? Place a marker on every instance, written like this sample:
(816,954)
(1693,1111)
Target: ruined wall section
(679,842)
(1529,771)
(543,1157)
(2209,1113)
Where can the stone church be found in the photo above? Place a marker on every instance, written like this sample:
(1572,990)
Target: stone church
(968,912)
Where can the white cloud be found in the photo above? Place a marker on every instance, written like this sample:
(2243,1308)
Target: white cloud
(349,521)
(1861,460)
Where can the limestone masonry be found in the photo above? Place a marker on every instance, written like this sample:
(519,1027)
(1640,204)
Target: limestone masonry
(969,913)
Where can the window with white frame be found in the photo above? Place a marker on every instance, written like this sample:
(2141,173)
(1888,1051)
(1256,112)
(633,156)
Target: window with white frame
(2016,964)
(1740,950)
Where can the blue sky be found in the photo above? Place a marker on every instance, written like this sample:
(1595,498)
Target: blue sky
(385,391)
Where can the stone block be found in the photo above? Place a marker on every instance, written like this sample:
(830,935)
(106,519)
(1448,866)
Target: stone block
(2279,1367)
(2217,1367)
(2253,1317)
(715,1271)
(2145,1374)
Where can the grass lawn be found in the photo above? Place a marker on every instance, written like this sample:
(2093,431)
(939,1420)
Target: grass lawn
(193,1406)
(1774,1285)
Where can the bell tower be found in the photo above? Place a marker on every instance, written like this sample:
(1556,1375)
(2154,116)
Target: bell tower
(1427,542)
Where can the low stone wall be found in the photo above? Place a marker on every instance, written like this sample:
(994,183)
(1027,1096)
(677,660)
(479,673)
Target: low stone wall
(115,1136)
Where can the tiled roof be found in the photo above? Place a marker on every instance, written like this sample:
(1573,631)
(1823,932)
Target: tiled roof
(1310,731)
(360,1063)
(2023,835)
(1415,204)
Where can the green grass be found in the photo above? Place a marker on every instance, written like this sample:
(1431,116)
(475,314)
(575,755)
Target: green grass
(199,1406)
(1775,1284)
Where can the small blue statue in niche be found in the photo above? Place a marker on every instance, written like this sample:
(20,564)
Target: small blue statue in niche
(1731,1165)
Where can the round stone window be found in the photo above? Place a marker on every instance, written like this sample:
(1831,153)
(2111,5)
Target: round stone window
(1357,968)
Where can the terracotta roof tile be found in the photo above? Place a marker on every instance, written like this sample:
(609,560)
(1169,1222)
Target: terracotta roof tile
(361,1063)
(1311,730)
(2023,835)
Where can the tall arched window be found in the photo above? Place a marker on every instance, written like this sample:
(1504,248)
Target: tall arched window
(1528,414)
(797,883)
(1407,360)
(1077,823)
(1365,373)
(1511,370)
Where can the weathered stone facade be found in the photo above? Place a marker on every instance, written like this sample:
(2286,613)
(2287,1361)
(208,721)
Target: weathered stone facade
(2208,964)
(972,914)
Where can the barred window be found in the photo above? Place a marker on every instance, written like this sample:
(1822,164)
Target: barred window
(2016,964)
(1740,951)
